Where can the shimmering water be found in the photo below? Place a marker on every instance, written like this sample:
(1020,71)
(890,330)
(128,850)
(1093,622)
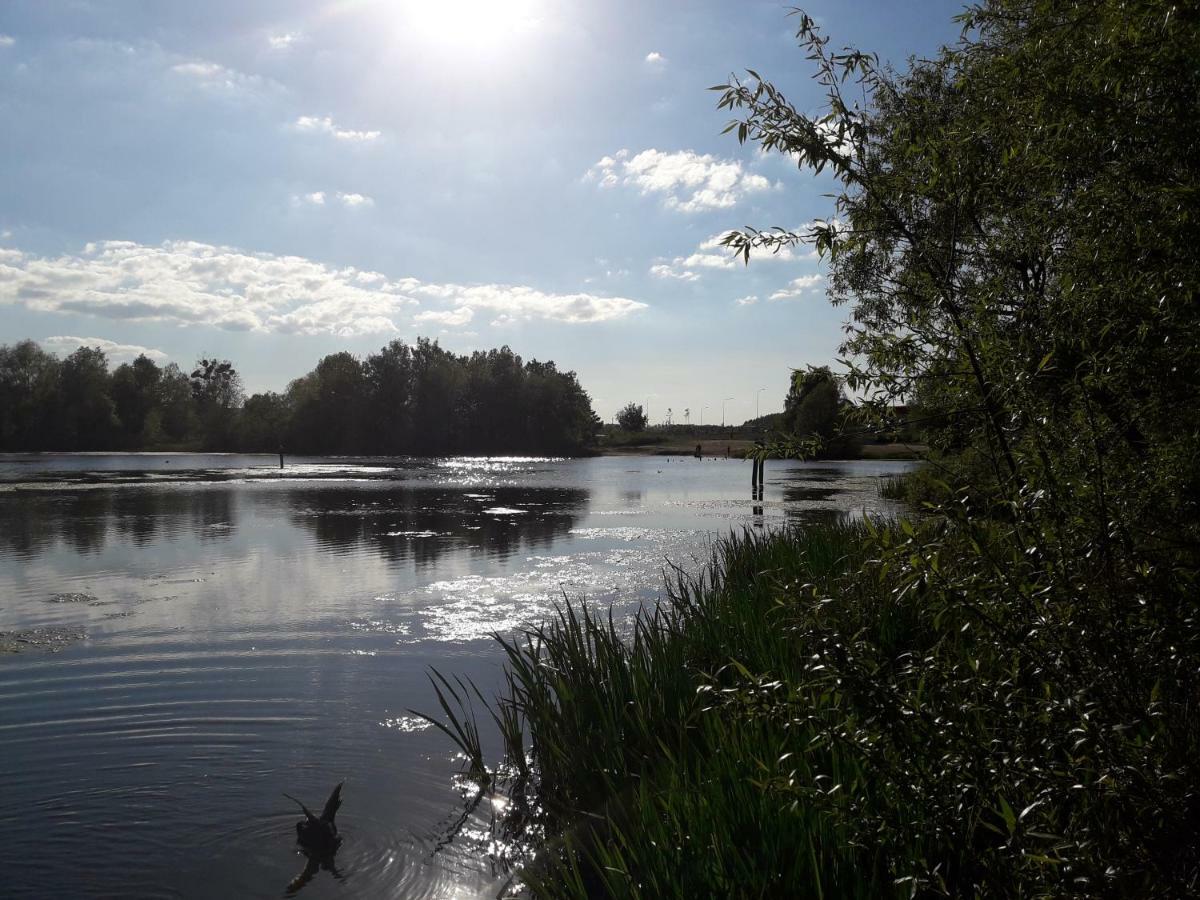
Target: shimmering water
(186,637)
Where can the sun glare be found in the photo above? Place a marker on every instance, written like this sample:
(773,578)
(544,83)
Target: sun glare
(469,24)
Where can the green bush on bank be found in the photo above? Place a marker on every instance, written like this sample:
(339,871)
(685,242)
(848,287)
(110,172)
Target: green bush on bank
(851,711)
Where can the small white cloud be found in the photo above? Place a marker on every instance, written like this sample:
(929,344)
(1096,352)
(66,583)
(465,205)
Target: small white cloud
(805,284)
(713,254)
(316,198)
(326,125)
(688,181)
(213,75)
(7,40)
(748,300)
(353,200)
(67,344)
(663,270)
(656,61)
(449,318)
(284,40)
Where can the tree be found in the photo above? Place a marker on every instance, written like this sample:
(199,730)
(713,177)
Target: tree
(177,411)
(632,418)
(815,412)
(263,424)
(389,402)
(135,392)
(1014,235)
(88,416)
(217,393)
(29,397)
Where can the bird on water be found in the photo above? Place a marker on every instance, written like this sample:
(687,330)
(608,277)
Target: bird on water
(318,835)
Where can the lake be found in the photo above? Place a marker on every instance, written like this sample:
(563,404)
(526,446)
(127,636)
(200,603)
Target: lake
(185,637)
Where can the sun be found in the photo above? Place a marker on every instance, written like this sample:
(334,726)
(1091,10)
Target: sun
(469,24)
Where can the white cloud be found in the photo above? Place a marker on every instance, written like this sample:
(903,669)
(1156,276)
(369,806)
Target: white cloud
(748,300)
(320,198)
(688,181)
(353,200)
(189,283)
(326,125)
(7,40)
(448,317)
(656,61)
(517,302)
(213,75)
(798,286)
(284,40)
(712,254)
(66,344)
(662,270)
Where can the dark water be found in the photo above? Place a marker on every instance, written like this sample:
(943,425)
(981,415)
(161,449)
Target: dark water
(186,637)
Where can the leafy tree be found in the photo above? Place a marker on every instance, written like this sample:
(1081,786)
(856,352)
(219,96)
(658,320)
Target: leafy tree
(264,422)
(29,397)
(88,415)
(632,418)
(1014,235)
(216,392)
(135,392)
(327,405)
(389,402)
(177,412)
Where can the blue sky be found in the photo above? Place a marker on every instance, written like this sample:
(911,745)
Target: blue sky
(274,181)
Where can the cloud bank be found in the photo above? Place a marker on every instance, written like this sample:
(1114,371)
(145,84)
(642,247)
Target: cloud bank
(190,283)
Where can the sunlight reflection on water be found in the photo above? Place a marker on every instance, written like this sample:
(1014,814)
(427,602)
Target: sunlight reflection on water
(181,649)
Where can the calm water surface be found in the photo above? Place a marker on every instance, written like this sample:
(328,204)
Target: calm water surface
(185,637)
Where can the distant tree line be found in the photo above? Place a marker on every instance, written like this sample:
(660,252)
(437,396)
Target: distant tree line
(405,399)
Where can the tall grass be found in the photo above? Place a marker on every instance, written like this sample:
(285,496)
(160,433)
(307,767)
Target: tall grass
(650,751)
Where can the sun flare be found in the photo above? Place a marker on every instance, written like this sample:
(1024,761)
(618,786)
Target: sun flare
(470,24)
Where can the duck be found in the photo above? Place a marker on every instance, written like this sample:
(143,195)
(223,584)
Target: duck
(318,836)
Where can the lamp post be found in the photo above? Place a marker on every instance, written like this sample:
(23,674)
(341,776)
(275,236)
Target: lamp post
(723,402)
(702,415)
(756,396)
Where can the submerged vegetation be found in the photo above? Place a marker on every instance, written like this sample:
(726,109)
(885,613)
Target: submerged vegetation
(418,399)
(999,698)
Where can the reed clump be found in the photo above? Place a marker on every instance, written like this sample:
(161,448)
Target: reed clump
(859,710)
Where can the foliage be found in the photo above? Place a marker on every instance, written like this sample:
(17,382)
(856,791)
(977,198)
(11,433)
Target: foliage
(816,410)
(999,699)
(632,417)
(403,399)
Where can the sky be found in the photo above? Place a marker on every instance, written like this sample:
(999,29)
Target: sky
(271,182)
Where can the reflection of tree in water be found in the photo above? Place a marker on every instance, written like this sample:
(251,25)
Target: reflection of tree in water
(397,522)
(814,500)
(84,518)
(26,523)
(212,513)
(141,516)
(31,522)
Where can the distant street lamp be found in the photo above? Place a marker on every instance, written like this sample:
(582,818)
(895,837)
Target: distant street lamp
(702,415)
(756,396)
(723,402)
